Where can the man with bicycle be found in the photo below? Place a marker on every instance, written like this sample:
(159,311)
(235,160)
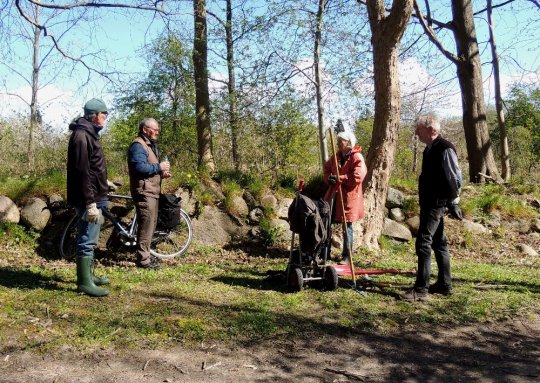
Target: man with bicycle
(145,175)
(87,189)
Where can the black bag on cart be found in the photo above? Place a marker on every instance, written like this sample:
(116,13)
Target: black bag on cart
(310,219)
(168,212)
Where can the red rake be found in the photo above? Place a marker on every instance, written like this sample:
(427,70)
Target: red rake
(346,270)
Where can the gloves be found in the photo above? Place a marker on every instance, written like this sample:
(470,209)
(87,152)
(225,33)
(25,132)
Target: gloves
(332,179)
(92,213)
(112,186)
(455,211)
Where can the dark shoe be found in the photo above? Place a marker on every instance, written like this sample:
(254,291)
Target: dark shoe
(152,265)
(415,295)
(437,288)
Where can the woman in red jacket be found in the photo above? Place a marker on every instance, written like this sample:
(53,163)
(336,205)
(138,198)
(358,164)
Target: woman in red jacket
(352,170)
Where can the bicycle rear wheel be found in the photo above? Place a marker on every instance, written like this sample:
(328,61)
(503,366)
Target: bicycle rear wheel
(175,242)
(68,240)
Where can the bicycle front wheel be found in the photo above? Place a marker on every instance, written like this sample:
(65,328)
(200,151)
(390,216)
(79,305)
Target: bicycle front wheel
(175,242)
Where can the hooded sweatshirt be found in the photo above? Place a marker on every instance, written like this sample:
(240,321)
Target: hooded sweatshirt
(86,168)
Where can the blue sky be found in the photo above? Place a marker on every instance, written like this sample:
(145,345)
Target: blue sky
(122,39)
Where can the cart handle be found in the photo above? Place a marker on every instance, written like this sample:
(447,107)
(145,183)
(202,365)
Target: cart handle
(300,185)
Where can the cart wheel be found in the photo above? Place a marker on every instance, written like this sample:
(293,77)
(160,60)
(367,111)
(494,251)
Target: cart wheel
(330,278)
(295,281)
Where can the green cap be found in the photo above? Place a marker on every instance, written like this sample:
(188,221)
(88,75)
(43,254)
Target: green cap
(96,106)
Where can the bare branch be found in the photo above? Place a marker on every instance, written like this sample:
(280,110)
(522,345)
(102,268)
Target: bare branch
(535,2)
(296,67)
(495,6)
(57,45)
(94,4)
(18,96)
(432,37)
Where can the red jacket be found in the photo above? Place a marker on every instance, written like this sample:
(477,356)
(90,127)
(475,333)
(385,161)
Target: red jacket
(351,175)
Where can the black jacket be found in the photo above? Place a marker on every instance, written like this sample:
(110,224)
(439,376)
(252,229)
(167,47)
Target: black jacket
(434,188)
(86,168)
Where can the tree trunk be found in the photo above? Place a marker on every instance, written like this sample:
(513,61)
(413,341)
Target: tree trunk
(202,97)
(387,31)
(318,82)
(35,120)
(233,113)
(469,71)
(503,136)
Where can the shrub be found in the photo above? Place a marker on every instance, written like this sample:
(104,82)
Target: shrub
(269,234)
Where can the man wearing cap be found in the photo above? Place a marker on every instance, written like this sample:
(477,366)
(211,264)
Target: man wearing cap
(87,189)
(352,170)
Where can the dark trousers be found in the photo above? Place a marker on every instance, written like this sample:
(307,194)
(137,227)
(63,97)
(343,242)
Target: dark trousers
(431,236)
(147,208)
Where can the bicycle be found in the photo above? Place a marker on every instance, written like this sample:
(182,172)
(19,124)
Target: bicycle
(165,243)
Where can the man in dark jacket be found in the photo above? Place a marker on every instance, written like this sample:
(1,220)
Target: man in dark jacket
(87,188)
(145,174)
(439,185)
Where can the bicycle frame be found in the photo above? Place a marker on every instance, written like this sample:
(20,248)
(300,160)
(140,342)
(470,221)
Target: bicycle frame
(131,234)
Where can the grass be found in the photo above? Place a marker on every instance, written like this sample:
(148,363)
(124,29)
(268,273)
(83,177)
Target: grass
(225,296)
(486,199)
(18,187)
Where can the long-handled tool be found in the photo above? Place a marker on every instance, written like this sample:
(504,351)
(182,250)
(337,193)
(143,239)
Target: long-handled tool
(344,223)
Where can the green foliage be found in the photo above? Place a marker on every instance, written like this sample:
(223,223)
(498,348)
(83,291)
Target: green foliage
(523,129)
(410,206)
(276,140)
(269,233)
(50,150)
(363,131)
(491,197)
(167,93)
(231,189)
(17,188)
(12,234)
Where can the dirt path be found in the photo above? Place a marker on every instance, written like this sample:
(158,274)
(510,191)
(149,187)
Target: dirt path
(495,352)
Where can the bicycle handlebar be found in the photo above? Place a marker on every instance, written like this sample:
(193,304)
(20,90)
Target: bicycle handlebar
(119,196)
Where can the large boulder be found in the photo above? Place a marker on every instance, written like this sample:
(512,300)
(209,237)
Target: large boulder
(396,214)
(475,228)
(8,210)
(35,214)
(213,227)
(255,215)
(239,207)
(269,201)
(527,250)
(250,200)
(394,198)
(535,226)
(396,230)
(188,203)
(413,223)
(283,208)
(283,233)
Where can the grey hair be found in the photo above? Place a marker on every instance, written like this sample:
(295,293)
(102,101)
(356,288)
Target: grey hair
(429,120)
(145,122)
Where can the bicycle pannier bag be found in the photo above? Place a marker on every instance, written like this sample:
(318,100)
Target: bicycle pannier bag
(168,211)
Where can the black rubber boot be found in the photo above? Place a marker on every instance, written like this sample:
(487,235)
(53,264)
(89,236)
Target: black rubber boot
(85,280)
(98,281)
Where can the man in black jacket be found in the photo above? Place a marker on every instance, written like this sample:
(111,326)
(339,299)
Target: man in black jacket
(87,189)
(439,185)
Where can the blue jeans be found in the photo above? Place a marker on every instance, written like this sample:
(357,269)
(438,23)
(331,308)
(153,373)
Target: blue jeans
(431,236)
(87,233)
(345,252)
